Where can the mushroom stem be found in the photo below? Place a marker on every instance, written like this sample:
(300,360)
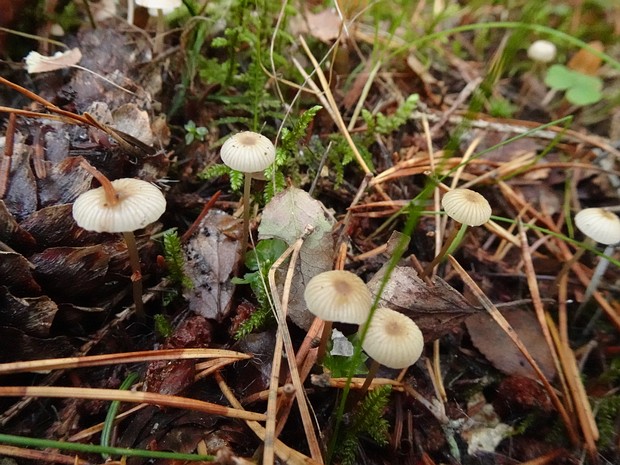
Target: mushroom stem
(159,31)
(136,274)
(599,271)
(110,193)
(372,373)
(327,329)
(451,243)
(247,185)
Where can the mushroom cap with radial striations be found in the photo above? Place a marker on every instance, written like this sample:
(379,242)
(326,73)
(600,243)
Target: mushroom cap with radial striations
(466,206)
(248,152)
(140,203)
(160,4)
(601,225)
(542,51)
(338,296)
(393,339)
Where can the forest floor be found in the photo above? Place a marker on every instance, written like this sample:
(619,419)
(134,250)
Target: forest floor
(377,110)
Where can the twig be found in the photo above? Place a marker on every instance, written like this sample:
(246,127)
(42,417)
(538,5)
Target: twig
(7,156)
(280,310)
(205,209)
(286,453)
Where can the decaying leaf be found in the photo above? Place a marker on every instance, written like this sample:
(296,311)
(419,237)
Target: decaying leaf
(71,271)
(133,121)
(16,274)
(286,217)
(11,232)
(37,63)
(17,345)
(497,347)
(212,258)
(65,180)
(21,194)
(33,315)
(436,309)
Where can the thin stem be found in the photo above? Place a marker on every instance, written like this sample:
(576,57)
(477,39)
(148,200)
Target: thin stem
(454,239)
(327,329)
(159,32)
(599,271)
(110,192)
(136,274)
(246,212)
(372,373)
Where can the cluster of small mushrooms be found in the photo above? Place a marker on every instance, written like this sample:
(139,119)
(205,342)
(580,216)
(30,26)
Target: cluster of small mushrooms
(391,338)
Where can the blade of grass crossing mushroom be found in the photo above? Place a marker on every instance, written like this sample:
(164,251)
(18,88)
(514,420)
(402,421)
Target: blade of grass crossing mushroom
(510,332)
(280,310)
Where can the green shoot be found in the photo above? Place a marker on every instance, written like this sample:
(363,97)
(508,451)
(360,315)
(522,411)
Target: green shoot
(259,261)
(108,424)
(175,259)
(367,420)
(193,133)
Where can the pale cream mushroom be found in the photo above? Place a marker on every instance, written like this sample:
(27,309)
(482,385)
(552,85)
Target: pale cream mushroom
(466,208)
(604,227)
(162,6)
(120,206)
(393,340)
(542,51)
(248,152)
(337,296)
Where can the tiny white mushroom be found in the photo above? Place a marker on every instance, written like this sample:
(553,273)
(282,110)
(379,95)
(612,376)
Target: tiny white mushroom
(120,206)
(467,208)
(604,227)
(542,51)
(248,152)
(337,296)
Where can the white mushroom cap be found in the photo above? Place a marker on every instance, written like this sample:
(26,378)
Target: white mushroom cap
(160,4)
(393,339)
(338,296)
(542,51)
(139,204)
(248,152)
(598,224)
(466,206)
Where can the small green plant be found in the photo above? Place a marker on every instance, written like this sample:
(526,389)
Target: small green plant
(367,420)
(162,326)
(258,262)
(608,409)
(175,261)
(192,132)
(382,124)
(580,88)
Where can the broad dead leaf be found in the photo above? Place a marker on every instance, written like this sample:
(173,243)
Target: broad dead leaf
(286,218)
(436,309)
(212,258)
(497,347)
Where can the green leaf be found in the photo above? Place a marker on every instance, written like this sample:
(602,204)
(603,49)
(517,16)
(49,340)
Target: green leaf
(559,77)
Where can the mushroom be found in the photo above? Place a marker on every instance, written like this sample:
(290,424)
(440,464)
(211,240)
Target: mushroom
(542,51)
(604,227)
(391,339)
(339,296)
(466,208)
(123,205)
(248,152)
(163,7)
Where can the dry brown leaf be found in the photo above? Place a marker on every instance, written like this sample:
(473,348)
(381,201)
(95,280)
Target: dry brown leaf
(33,315)
(585,61)
(325,25)
(436,309)
(212,258)
(497,347)
(286,218)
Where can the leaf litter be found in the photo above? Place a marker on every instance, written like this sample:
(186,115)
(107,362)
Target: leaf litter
(61,286)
